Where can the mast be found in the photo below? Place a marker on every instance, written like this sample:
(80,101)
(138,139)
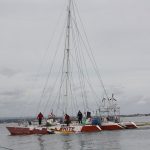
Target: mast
(67,51)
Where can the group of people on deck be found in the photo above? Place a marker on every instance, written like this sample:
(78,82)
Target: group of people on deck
(81,120)
(79,115)
(67,119)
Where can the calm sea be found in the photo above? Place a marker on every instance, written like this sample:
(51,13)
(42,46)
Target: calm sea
(133,139)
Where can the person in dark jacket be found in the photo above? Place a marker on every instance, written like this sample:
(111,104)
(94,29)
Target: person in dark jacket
(67,119)
(80,116)
(40,117)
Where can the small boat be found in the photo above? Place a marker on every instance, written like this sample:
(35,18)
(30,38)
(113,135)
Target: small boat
(110,114)
(128,125)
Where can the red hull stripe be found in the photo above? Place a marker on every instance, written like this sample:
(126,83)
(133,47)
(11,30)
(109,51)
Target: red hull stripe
(132,126)
(92,128)
(26,131)
(111,127)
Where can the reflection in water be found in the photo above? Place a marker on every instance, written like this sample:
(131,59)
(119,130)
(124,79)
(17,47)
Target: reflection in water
(67,142)
(108,140)
(111,140)
(93,141)
(86,141)
(82,144)
(41,142)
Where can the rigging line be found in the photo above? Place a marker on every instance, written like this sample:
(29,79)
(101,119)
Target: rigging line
(70,81)
(63,69)
(53,87)
(69,95)
(76,40)
(80,78)
(89,83)
(53,35)
(69,84)
(96,69)
(71,91)
(73,85)
(49,42)
(74,98)
(46,82)
(50,95)
(75,101)
(57,96)
(82,84)
(79,71)
(61,83)
(83,56)
(88,53)
(87,75)
(80,66)
(57,103)
(88,79)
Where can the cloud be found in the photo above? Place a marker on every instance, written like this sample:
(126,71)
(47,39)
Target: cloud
(119,34)
(8,72)
(13,94)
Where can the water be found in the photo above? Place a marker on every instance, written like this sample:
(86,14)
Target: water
(135,139)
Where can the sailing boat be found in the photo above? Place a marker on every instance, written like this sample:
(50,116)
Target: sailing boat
(66,88)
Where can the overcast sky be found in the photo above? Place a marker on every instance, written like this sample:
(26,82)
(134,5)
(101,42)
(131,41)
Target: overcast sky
(119,34)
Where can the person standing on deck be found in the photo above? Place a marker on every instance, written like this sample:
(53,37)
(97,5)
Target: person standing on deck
(67,119)
(80,116)
(40,117)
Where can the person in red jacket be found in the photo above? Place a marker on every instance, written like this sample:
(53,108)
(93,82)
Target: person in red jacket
(67,119)
(40,117)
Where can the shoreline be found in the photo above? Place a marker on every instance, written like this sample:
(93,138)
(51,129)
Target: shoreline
(20,119)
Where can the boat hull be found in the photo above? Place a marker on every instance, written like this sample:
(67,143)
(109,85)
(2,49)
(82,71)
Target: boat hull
(51,130)
(110,126)
(26,130)
(75,129)
(91,128)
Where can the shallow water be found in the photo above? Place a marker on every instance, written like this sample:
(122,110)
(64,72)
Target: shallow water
(135,139)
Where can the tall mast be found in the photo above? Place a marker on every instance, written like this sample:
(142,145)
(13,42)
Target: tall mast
(67,51)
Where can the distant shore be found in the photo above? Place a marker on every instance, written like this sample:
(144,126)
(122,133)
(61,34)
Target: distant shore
(135,115)
(20,119)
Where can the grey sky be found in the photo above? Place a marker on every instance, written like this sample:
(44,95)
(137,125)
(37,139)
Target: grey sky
(118,31)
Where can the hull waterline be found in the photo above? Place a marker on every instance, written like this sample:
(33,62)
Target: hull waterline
(51,130)
(111,126)
(27,130)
